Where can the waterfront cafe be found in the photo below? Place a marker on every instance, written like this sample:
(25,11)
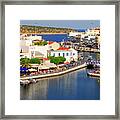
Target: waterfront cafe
(35,66)
(47,66)
(43,67)
(62,66)
(32,70)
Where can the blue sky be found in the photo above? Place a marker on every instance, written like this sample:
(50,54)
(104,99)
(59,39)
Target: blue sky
(76,24)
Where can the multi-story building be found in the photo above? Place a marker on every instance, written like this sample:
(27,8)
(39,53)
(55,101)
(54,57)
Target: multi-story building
(41,50)
(30,37)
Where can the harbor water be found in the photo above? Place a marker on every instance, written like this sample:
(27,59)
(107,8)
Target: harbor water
(71,86)
(54,37)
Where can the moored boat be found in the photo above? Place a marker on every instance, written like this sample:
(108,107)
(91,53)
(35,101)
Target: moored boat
(94,73)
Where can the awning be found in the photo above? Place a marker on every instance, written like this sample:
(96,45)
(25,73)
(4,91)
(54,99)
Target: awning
(42,67)
(32,70)
(23,69)
(34,65)
(51,65)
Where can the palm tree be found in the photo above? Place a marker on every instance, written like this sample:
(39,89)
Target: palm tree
(25,62)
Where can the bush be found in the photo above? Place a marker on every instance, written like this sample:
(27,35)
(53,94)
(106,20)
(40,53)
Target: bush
(57,60)
(25,62)
(35,61)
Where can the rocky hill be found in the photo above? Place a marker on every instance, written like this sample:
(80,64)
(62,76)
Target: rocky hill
(41,30)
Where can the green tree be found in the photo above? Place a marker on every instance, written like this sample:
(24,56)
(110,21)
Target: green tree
(57,60)
(62,59)
(41,43)
(25,62)
(45,43)
(35,61)
(50,57)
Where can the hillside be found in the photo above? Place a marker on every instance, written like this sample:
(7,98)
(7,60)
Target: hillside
(41,29)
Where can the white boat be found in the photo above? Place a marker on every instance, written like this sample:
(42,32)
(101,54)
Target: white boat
(94,74)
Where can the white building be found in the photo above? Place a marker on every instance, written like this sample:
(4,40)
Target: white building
(69,53)
(35,52)
(25,42)
(41,49)
(74,33)
(30,37)
(93,31)
(53,45)
(77,34)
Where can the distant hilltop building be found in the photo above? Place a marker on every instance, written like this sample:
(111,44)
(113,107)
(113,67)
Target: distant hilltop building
(90,31)
(77,34)
(74,33)
(88,34)
(93,31)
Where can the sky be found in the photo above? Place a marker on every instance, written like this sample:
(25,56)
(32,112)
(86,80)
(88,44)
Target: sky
(75,24)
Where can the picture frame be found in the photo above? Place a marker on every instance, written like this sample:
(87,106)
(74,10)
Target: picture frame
(70,2)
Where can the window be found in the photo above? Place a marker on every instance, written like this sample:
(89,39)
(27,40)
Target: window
(73,53)
(63,54)
(54,54)
(67,54)
(58,54)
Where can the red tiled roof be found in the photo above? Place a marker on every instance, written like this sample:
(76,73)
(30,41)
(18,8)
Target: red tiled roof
(50,42)
(45,59)
(63,48)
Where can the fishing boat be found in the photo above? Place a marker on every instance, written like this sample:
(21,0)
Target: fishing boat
(94,73)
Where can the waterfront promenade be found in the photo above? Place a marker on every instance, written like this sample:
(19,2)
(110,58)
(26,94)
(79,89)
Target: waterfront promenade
(54,74)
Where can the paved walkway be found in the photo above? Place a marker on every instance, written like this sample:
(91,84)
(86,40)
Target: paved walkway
(54,74)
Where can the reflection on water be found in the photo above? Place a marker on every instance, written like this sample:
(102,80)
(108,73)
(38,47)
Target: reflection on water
(72,86)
